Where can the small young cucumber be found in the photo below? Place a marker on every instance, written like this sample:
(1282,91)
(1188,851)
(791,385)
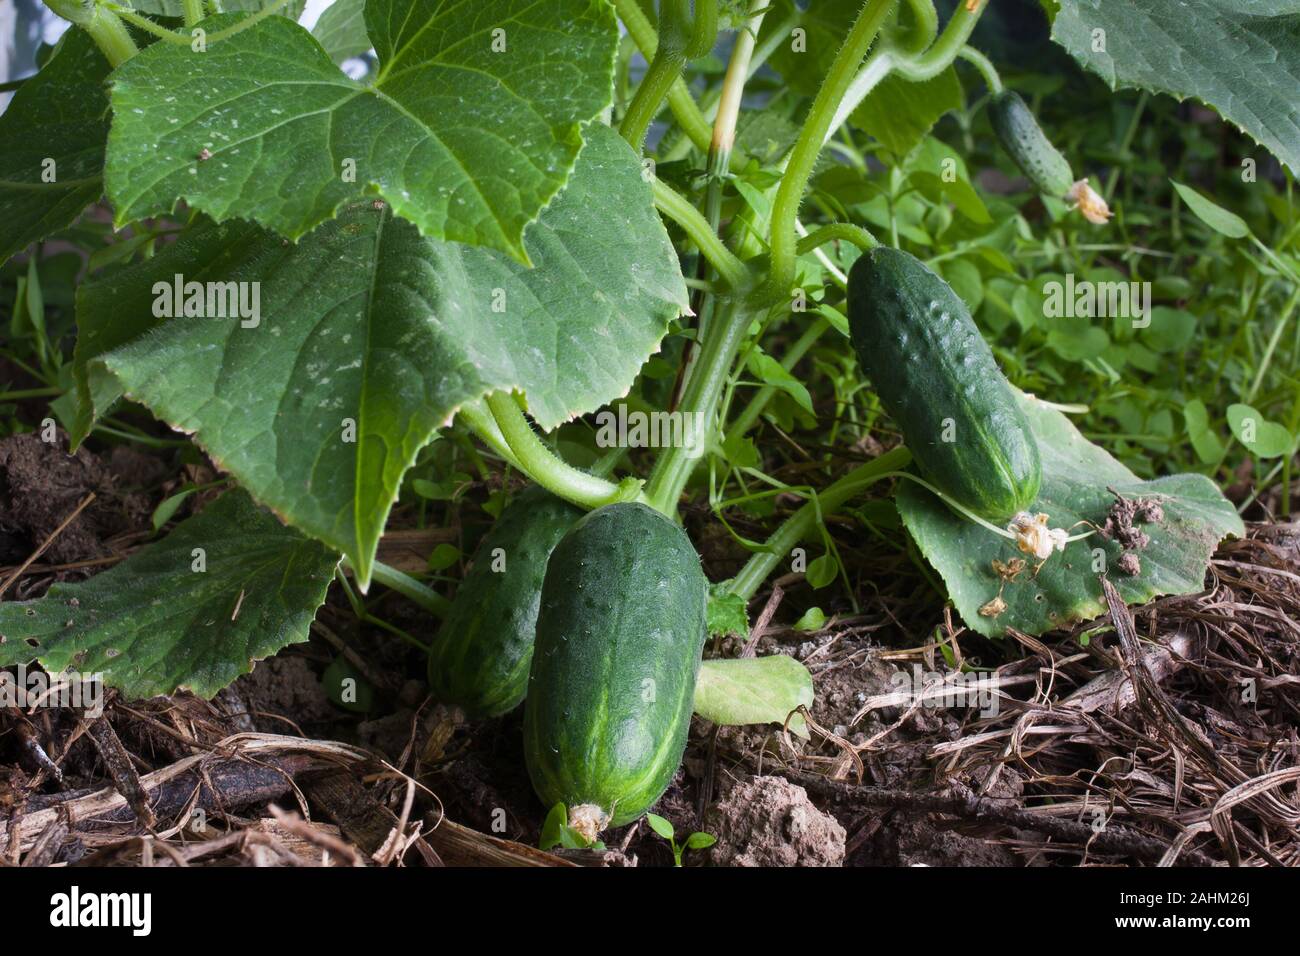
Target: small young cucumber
(1025,143)
(480,657)
(612,687)
(937,378)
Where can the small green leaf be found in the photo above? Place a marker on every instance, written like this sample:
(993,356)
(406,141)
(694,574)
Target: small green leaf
(443,557)
(1264,438)
(168,507)
(822,571)
(727,612)
(739,450)
(1171,330)
(1212,214)
(1208,447)
(659,825)
(900,113)
(700,841)
(762,690)
(553,827)
(771,372)
(813,619)
(341,30)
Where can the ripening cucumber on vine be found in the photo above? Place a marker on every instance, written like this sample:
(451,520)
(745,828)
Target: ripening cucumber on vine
(479,658)
(937,378)
(611,688)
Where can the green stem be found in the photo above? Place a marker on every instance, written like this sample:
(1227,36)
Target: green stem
(680,101)
(186,39)
(110,35)
(719,160)
(408,587)
(23,393)
(985,67)
(676,207)
(844,231)
(923,31)
(710,101)
(674,466)
(548,470)
(193,11)
(761,564)
(484,426)
(803,157)
(665,69)
(1272,346)
(938,58)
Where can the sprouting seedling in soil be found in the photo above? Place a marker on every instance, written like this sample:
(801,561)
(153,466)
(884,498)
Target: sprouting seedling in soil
(696,841)
(557,832)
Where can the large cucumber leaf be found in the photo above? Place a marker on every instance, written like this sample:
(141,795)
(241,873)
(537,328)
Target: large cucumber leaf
(372,337)
(470,128)
(1076,476)
(226,588)
(1240,56)
(52,139)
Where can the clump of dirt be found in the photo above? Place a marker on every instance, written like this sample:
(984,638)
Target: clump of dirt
(769,821)
(284,687)
(41,484)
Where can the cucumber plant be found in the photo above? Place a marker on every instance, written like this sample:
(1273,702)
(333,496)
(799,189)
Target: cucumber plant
(498,229)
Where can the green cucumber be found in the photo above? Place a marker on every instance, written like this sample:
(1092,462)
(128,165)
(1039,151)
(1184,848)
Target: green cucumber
(937,378)
(481,655)
(1020,135)
(612,686)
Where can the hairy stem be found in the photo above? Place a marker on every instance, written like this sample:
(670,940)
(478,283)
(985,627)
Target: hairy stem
(104,26)
(675,206)
(719,161)
(544,467)
(484,426)
(186,38)
(923,31)
(761,564)
(837,231)
(718,350)
(193,11)
(803,157)
(985,67)
(938,58)
(680,101)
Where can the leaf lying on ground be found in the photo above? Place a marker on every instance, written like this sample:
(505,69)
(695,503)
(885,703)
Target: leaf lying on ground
(370,337)
(155,623)
(754,690)
(1076,476)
